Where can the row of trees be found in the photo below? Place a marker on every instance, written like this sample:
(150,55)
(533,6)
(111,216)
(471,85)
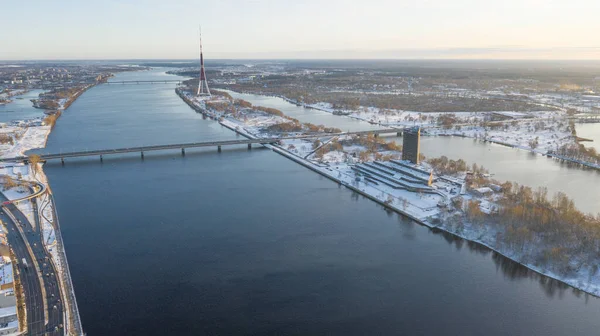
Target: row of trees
(445,166)
(580,152)
(285,127)
(321,128)
(50,119)
(372,152)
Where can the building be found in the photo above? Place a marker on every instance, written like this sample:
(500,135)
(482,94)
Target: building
(483,191)
(411,144)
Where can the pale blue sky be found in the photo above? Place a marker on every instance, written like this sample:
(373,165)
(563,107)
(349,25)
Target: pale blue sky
(109,29)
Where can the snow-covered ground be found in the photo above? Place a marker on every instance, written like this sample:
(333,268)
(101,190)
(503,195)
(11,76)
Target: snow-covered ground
(552,135)
(27,136)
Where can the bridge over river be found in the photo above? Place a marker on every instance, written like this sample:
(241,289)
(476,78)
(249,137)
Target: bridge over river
(155,81)
(183,146)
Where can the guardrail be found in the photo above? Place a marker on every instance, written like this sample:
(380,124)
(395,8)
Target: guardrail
(33,195)
(35,265)
(73,322)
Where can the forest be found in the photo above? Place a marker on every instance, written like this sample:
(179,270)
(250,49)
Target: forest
(543,230)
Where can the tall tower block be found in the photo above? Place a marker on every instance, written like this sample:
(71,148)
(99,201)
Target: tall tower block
(203,89)
(411,144)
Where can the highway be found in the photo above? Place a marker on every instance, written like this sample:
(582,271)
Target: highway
(39,278)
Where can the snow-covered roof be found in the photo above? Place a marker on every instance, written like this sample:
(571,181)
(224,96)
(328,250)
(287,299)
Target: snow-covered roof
(484,190)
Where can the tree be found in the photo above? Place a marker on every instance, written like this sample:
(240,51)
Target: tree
(533,143)
(390,200)
(316,144)
(9,182)
(34,160)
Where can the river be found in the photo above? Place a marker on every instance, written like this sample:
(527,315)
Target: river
(21,107)
(590,131)
(249,242)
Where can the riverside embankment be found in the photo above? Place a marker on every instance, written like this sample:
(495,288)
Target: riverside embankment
(30,135)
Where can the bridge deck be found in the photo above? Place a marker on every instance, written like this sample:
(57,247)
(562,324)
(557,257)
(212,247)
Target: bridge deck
(190,145)
(158,81)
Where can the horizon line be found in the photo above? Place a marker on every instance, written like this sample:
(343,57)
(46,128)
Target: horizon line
(301,59)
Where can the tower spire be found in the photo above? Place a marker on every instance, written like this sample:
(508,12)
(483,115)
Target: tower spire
(203,89)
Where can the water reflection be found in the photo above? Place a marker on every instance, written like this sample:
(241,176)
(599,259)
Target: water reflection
(510,269)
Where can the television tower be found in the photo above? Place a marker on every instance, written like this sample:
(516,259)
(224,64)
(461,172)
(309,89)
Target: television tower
(202,83)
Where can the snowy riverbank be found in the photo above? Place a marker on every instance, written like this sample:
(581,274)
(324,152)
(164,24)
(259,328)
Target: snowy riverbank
(24,136)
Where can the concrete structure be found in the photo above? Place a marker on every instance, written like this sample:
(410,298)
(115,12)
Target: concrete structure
(37,274)
(398,175)
(411,144)
(218,144)
(176,81)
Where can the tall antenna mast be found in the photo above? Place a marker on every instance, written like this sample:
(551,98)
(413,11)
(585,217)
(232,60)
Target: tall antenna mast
(203,89)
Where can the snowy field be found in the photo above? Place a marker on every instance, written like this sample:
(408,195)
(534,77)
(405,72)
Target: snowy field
(547,128)
(551,137)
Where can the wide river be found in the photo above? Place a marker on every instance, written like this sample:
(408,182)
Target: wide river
(248,242)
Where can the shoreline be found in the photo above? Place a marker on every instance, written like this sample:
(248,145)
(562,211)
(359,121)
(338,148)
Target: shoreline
(35,137)
(581,164)
(573,282)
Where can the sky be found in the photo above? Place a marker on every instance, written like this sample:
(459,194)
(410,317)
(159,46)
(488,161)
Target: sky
(317,29)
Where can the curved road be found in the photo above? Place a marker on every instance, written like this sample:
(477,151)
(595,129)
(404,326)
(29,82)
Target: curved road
(30,276)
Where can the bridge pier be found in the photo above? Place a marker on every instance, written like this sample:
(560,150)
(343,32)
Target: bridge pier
(219,148)
(183,152)
(249,146)
(142,152)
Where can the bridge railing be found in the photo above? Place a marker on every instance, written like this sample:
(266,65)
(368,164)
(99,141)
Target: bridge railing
(73,325)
